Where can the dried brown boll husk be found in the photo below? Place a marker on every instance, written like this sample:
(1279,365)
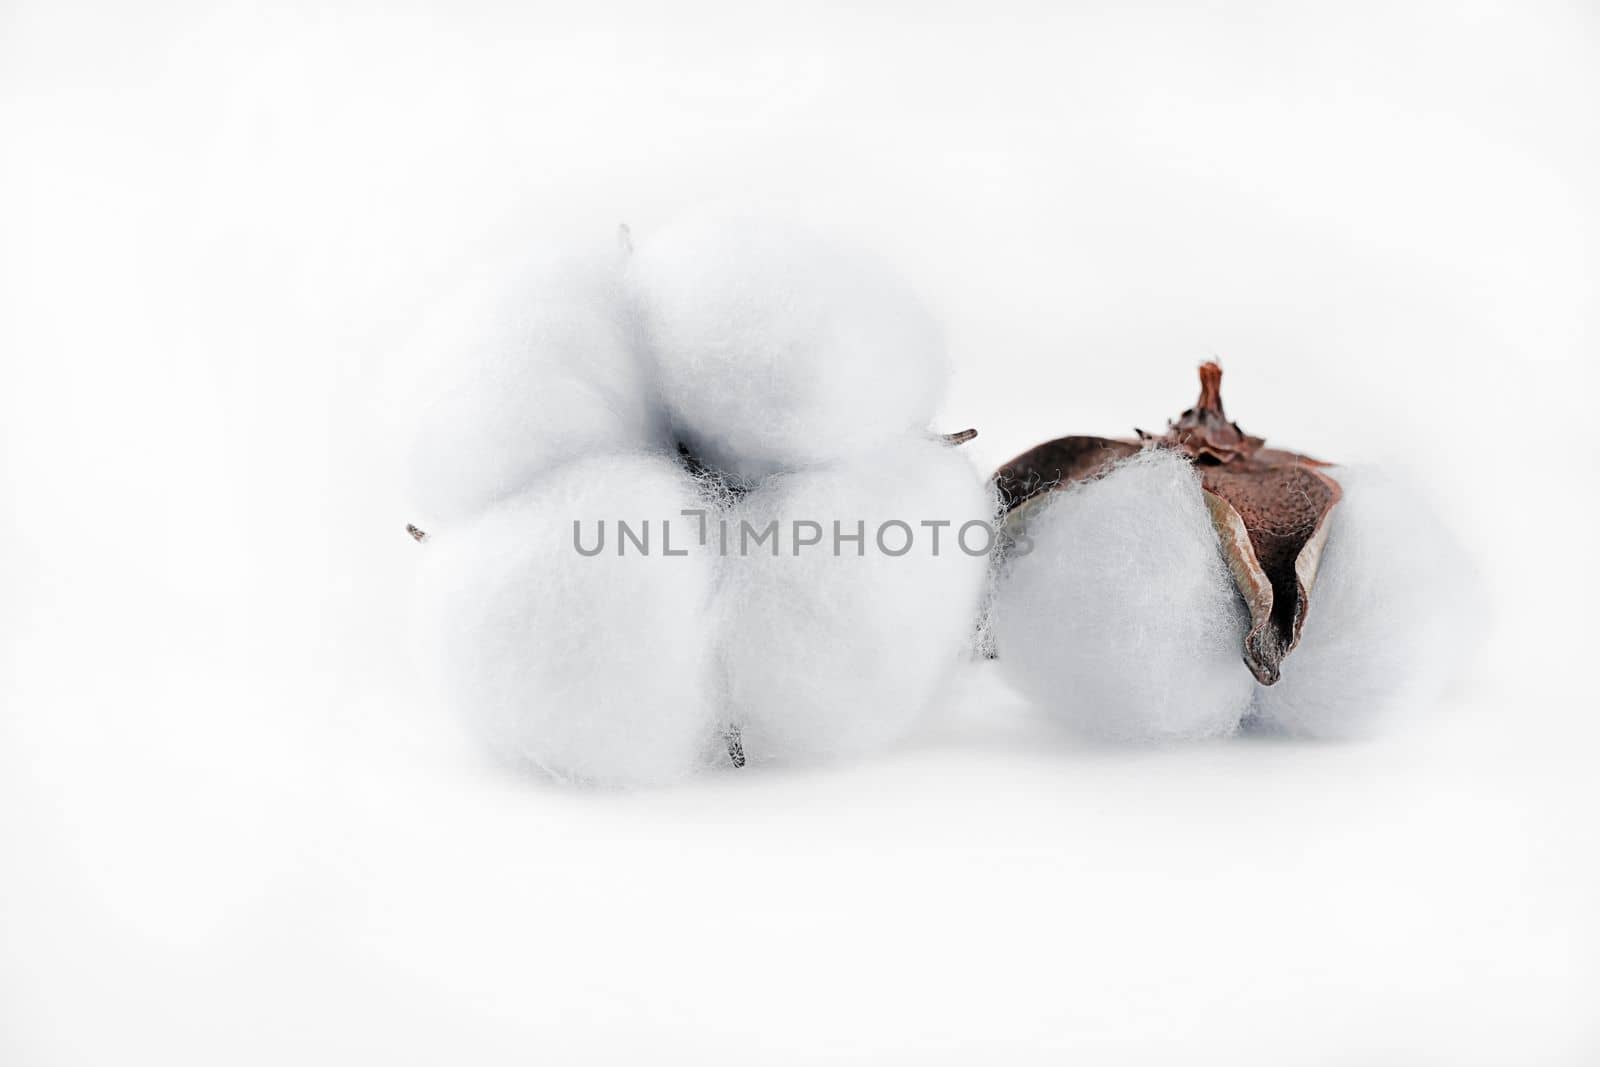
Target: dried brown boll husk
(1270,508)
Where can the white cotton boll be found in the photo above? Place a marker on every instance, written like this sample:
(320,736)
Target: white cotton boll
(779,350)
(597,669)
(828,655)
(1387,615)
(525,374)
(1123,620)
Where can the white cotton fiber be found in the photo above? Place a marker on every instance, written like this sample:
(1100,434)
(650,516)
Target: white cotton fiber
(1388,614)
(1123,620)
(826,655)
(778,349)
(597,669)
(524,374)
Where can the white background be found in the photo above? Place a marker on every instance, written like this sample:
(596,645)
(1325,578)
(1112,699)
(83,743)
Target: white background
(232,831)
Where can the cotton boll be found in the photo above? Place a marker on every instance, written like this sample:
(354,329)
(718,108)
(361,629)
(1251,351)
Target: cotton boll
(1122,619)
(524,375)
(827,655)
(596,669)
(1386,620)
(778,349)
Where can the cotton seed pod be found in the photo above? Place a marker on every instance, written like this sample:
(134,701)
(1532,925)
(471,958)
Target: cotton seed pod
(1270,509)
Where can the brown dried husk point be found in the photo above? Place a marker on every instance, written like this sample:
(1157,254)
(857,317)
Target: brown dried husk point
(1270,508)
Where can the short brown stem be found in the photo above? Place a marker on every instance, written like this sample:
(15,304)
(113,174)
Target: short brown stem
(1210,388)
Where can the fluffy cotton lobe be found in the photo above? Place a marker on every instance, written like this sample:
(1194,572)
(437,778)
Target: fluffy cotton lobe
(778,349)
(1387,617)
(525,374)
(826,654)
(597,669)
(1122,619)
